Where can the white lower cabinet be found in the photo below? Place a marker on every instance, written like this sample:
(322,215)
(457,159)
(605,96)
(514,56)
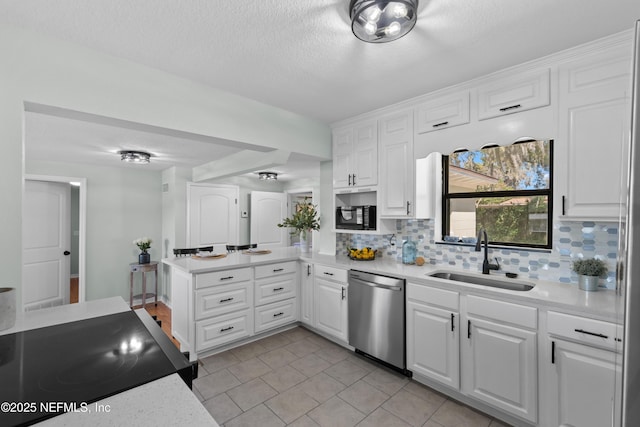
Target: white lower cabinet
(223,329)
(433,345)
(499,355)
(330,302)
(275,295)
(275,314)
(583,372)
(306,293)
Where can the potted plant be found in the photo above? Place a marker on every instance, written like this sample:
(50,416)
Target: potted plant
(143,243)
(304,219)
(589,272)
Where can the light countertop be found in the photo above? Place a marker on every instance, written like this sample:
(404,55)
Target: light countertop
(603,304)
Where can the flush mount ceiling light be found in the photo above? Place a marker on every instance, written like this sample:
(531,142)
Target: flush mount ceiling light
(135,157)
(268,176)
(380,21)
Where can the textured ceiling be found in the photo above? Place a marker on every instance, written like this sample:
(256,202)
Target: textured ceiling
(300,55)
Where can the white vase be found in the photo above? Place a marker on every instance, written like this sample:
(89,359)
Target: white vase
(304,242)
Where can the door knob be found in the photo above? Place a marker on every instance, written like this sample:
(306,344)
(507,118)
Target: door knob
(67,253)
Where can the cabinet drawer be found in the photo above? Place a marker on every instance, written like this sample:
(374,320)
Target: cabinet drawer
(595,332)
(223,329)
(222,277)
(331,273)
(442,113)
(276,314)
(275,269)
(515,94)
(221,299)
(275,289)
(433,296)
(503,311)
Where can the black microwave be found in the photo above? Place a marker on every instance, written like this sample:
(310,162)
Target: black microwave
(356,218)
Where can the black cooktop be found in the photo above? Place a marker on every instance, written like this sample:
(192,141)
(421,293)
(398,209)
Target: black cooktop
(78,363)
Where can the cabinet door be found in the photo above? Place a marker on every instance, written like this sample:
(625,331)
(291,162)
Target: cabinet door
(306,293)
(396,189)
(212,215)
(500,367)
(432,343)
(365,154)
(521,92)
(342,157)
(583,381)
(594,103)
(442,113)
(330,306)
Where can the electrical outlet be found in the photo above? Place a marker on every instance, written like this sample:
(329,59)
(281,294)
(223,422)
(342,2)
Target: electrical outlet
(244,214)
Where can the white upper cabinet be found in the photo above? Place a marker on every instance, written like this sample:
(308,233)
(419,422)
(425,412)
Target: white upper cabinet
(521,92)
(396,187)
(594,100)
(355,155)
(442,112)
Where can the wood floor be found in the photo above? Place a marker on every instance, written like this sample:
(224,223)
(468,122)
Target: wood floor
(162,311)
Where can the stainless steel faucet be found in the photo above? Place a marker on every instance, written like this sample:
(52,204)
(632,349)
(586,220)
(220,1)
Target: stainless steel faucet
(486,265)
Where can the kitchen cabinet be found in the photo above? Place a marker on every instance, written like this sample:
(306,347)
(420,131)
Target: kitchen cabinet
(521,92)
(275,295)
(499,355)
(355,155)
(306,293)
(396,191)
(330,301)
(212,215)
(594,102)
(442,112)
(433,325)
(583,369)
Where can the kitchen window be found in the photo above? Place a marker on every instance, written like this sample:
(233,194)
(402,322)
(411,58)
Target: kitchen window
(507,190)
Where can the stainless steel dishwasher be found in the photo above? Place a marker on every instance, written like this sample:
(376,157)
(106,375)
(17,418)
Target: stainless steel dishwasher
(377,317)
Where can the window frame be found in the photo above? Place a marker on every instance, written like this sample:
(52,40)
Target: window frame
(447,197)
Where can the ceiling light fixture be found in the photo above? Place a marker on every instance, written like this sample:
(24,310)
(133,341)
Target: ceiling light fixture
(380,21)
(268,176)
(135,157)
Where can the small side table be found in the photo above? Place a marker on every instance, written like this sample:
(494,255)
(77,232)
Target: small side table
(143,268)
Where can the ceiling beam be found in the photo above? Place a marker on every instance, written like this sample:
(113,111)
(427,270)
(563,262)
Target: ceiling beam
(239,163)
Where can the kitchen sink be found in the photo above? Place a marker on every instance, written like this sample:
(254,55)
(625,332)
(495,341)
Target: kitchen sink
(512,285)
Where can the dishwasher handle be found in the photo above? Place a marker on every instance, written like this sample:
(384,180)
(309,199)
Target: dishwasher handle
(374,285)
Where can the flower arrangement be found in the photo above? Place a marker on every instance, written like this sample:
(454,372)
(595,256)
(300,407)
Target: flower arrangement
(143,243)
(589,267)
(304,219)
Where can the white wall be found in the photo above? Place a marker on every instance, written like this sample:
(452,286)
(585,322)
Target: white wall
(122,205)
(40,70)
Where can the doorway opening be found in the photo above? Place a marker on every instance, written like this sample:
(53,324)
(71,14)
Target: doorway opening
(298,196)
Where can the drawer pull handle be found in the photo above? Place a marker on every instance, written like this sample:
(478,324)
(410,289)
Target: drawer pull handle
(453,326)
(278,289)
(469,329)
(226,329)
(275,270)
(553,352)
(278,314)
(440,124)
(581,331)
(226,299)
(344,292)
(327,273)
(226,278)
(510,107)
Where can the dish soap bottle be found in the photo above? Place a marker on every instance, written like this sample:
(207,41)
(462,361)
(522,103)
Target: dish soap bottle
(409,252)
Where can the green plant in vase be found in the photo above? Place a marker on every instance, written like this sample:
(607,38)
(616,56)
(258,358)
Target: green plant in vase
(304,219)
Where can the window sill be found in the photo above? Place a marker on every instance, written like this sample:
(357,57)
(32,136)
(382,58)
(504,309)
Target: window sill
(499,247)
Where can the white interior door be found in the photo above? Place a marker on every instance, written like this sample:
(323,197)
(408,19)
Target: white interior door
(267,211)
(212,217)
(45,243)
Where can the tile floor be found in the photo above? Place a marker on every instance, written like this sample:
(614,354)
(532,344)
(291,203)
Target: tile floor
(298,378)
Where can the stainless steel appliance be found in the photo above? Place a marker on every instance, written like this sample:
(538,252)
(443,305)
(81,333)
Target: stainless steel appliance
(356,217)
(377,317)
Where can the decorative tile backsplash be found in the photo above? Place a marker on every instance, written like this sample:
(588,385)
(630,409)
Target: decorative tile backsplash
(571,240)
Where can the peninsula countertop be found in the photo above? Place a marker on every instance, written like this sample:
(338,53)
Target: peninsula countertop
(604,304)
